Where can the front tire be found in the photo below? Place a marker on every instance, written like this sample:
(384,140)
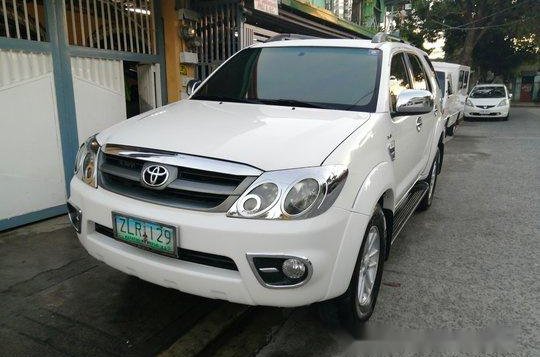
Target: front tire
(450,130)
(358,303)
(432,182)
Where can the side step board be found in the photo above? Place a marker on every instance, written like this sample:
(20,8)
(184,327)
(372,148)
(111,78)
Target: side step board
(407,208)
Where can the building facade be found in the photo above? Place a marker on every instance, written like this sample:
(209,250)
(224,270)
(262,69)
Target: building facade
(70,68)
(527,83)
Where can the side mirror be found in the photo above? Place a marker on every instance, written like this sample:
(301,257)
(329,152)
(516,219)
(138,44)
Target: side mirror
(192,86)
(414,101)
(510,95)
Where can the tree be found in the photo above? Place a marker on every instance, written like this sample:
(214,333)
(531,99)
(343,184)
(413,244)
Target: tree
(467,23)
(500,54)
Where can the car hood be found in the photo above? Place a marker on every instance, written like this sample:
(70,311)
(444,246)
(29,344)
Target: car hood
(485,101)
(264,136)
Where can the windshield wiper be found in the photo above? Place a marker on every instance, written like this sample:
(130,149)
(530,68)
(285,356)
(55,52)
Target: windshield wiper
(224,99)
(291,102)
(285,102)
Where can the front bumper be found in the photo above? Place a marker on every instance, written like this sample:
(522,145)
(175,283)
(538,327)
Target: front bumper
(330,242)
(495,112)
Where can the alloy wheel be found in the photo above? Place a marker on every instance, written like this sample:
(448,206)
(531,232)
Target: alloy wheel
(367,274)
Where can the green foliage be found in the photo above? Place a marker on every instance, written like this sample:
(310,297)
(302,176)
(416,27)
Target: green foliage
(480,33)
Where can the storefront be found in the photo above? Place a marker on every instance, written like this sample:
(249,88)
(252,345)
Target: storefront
(527,86)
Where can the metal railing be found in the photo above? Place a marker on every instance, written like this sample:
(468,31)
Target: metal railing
(22,19)
(219,28)
(116,25)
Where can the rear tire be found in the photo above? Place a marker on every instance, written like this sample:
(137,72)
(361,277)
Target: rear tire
(356,306)
(432,182)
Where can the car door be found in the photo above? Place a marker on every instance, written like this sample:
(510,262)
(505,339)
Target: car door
(404,136)
(452,108)
(425,123)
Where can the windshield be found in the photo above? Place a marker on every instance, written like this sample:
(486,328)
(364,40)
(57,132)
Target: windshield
(488,92)
(322,77)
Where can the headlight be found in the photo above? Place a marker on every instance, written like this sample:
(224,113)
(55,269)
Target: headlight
(259,200)
(469,103)
(291,194)
(503,103)
(86,161)
(301,197)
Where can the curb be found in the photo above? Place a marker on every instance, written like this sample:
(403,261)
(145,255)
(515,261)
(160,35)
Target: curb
(206,331)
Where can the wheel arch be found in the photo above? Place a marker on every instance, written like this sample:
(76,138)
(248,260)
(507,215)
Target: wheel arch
(378,188)
(387,204)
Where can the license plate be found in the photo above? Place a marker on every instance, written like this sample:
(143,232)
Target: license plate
(146,234)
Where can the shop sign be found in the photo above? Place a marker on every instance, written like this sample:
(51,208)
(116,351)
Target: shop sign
(268,6)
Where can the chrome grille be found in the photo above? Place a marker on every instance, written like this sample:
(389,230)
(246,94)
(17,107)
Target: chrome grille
(214,189)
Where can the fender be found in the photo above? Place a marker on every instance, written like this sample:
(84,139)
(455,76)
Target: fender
(379,182)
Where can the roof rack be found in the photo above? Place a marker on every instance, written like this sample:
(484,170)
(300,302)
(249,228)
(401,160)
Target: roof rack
(290,36)
(386,37)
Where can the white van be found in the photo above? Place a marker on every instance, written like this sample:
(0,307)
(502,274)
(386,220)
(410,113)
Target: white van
(453,80)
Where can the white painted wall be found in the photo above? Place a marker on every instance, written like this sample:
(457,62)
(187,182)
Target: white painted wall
(31,169)
(98,86)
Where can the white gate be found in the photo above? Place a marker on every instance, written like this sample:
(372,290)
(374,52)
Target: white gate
(62,80)
(100,100)
(149,86)
(32,170)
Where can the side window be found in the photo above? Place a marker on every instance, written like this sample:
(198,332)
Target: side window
(461,77)
(449,86)
(399,79)
(420,80)
(465,79)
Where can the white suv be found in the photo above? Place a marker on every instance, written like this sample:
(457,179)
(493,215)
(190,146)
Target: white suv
(282,181)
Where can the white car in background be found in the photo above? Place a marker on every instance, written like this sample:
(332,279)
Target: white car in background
(488,101)
(451,105)
(459,79)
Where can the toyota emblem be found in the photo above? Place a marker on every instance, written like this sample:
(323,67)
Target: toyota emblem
(155,175)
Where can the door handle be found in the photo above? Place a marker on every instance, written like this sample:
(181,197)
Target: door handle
(419,123)
(392,149)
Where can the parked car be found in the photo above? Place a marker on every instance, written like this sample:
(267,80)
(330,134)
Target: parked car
(450,100)
(454,87)
(488,101)
(283,180)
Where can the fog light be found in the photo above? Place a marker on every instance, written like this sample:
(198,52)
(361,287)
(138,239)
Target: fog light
(75,217)
(294,268)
